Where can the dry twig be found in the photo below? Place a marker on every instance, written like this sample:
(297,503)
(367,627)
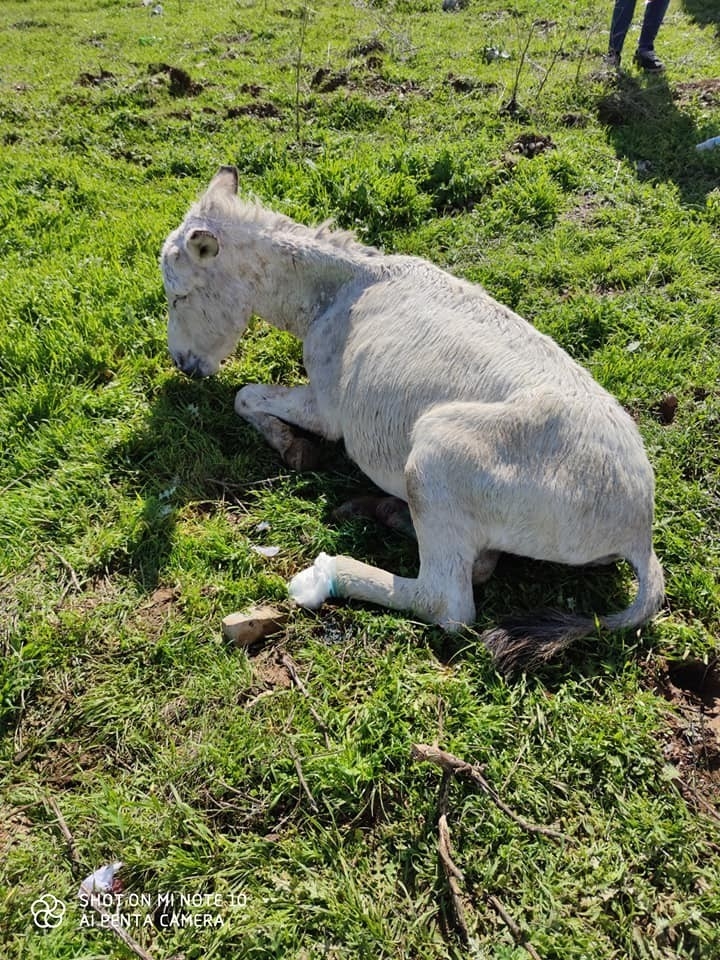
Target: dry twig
(520,937)
(73,576)
(287,661)
(303,782)
(453,765)
(73,854)
(453,874)
(129,941)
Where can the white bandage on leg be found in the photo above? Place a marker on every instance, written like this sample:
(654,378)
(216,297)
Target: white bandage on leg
(312,587)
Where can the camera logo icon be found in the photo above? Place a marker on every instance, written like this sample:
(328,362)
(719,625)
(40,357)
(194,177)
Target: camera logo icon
(47,911)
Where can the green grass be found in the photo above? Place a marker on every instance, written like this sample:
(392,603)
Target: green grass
(131,497)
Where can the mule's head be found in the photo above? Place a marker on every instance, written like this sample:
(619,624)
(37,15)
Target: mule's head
(204,287)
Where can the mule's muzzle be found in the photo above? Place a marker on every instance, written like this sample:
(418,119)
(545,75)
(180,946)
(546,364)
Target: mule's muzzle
(190,365)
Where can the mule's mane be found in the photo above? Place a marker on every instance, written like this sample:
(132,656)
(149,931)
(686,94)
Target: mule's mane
(232,211)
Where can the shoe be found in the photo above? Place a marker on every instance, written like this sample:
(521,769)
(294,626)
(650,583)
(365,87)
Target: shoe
(649,61)
(610,69)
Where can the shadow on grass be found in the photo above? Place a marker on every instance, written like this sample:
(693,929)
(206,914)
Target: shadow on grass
(647,128)
(704,13)
(194,450)
(186,450)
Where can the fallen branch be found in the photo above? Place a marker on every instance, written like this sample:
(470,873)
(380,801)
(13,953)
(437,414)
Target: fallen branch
(453,874)
(73,576)
(453,765)
(129,941)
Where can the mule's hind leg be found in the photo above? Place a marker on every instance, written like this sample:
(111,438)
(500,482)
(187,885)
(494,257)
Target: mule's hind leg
(274,410)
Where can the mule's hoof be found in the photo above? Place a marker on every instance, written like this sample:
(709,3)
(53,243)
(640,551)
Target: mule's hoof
(311,587)
(390,511)
(302,455)
(363,507)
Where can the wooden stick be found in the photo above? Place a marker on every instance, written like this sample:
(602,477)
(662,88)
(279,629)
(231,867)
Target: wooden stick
(303,782)
(454,765)
(452,875)
(75,859)
(519,936)
(452,872)
(129,941)
(68,567)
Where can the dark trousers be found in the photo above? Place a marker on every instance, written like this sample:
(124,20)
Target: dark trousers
(622,18)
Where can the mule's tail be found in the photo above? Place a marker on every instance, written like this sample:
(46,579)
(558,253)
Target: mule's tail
(527,642)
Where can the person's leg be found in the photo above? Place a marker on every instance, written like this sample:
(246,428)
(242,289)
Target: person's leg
(654,13)
(620,24)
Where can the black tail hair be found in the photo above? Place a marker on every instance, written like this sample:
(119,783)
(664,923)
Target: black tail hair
(527,642)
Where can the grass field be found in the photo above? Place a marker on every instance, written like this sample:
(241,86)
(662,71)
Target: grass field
(279,783)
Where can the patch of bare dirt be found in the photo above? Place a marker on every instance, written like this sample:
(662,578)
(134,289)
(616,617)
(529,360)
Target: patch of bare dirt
(574,120)
(380,86)
(260,108)
(101,79)
(532,144)
(586,209)
(251,89)
(68,763)
(692,739)
(180,83)
(14,828)
(706,91)
(620,107)
(364,48)
(325,80)
(269,672)
(470,84)
(153,613)
(666,409)
(97,592)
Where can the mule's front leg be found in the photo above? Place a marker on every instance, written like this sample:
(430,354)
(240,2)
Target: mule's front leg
(274,411)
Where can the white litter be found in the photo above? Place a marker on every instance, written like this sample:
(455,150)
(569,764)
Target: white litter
(311,588)
(266,551)
(103,880)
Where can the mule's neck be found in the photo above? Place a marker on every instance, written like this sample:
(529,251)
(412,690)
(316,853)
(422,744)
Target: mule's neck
(301,274)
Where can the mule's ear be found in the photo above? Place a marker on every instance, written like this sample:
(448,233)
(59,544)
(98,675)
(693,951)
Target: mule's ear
(202,245)
(225,181)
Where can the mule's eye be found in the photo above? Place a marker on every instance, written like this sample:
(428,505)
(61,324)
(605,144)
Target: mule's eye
(178,299)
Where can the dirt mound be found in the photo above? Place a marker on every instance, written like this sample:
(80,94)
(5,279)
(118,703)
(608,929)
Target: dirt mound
(692,744)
